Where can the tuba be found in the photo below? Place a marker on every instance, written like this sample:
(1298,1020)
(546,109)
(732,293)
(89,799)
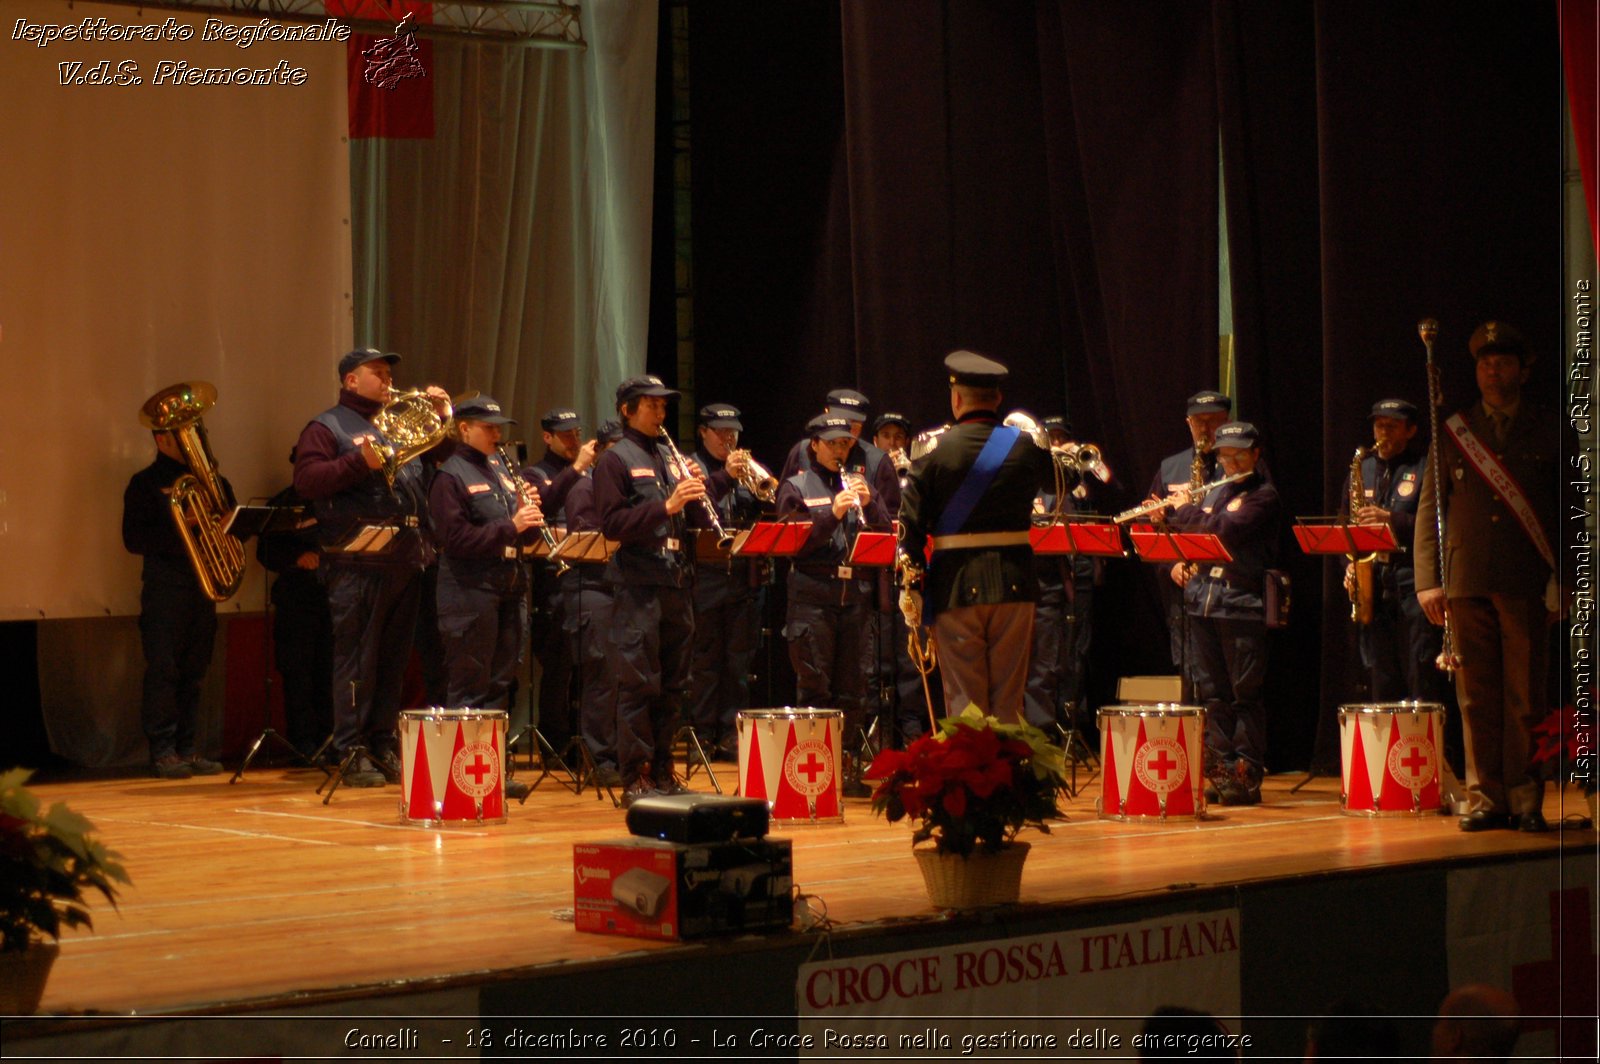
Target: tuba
(412,425)
(199,504)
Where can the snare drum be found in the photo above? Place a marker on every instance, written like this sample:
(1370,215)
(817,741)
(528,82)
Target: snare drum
(1152,760)
(1389,758)
(790,757)
(451,766)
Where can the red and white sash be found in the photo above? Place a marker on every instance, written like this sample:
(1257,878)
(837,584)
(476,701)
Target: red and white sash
(1500,479)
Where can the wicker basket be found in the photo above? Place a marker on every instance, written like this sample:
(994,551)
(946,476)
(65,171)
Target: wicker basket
(973,882)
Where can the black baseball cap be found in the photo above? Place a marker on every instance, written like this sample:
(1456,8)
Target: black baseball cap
(647,385)
(720,416)
(561,419)
(482,408)
(361,356)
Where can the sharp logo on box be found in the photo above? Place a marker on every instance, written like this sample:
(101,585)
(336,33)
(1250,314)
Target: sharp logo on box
(586,874)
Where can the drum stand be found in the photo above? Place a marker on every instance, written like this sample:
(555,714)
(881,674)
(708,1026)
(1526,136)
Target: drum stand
(543,754)
(336,777)
(694,751)
(268,731)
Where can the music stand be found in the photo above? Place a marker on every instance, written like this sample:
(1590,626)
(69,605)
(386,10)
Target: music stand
(243,523)
(1330,536)
(872,550)
(782,538)
(1165,546)
(1068,536)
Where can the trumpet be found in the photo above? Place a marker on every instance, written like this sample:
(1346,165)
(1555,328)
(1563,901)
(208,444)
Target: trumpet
(724,537)
(757,479)
(525,495)
(901,460)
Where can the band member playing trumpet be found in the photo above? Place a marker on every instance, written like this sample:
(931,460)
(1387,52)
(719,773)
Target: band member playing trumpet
(177,619)
(565,461)
(373,594)
(827,597)
(1499,484)
(1226,607)
(882,476)
(646,503)
(728,593)
(973,497)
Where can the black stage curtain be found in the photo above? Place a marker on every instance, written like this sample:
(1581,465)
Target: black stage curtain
(877,184)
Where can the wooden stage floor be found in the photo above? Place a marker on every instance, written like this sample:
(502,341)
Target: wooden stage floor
(256,892)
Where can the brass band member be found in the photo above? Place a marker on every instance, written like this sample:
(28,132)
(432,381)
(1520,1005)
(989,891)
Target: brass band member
(586,614)
(177,619)
(973,497)
(728,593)
(887,643)
(373,596)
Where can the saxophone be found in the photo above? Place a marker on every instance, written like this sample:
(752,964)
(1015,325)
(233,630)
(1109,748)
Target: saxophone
(199,503)
(1358,581)
(1197,470)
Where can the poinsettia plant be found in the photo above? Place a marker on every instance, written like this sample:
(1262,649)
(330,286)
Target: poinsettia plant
(48,861)
(1564,743)
(972,784)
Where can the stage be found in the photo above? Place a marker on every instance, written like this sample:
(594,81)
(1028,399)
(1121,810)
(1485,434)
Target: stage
(255,899)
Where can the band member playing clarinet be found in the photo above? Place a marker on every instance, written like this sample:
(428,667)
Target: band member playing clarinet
(1498,488)
(646,501)
(827,598)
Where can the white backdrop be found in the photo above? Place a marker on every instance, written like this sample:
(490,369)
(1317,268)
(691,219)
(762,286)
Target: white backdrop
(151,234)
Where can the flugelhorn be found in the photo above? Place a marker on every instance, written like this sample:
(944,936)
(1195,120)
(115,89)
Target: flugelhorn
(199,505)
(412,425)
(757,479)
(685,471)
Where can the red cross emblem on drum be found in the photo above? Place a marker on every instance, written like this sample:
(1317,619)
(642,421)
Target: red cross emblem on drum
(1413,763)
(808,768)
(475,769)
(1161,765)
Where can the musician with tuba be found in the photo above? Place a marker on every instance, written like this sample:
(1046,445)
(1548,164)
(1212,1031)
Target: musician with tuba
(728,592)
(827,609)
(648,497)
(177,616)
(972,496)
(357,462)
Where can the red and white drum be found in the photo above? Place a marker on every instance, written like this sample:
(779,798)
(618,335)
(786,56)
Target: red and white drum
(1152,762)
(791,758)
(1389,755)
(452,766)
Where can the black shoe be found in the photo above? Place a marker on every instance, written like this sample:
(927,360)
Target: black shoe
(641,787)
(669,784)
(1532,822)
(172,767)
(363,773)
(1483,820)
(388,763)
(203,766)
(726,753)
(855,789)
(518,790)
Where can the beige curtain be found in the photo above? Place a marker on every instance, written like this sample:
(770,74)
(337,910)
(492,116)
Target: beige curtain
(510,253)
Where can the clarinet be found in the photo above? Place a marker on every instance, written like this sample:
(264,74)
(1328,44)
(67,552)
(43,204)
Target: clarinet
(525,496)
(724,537)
